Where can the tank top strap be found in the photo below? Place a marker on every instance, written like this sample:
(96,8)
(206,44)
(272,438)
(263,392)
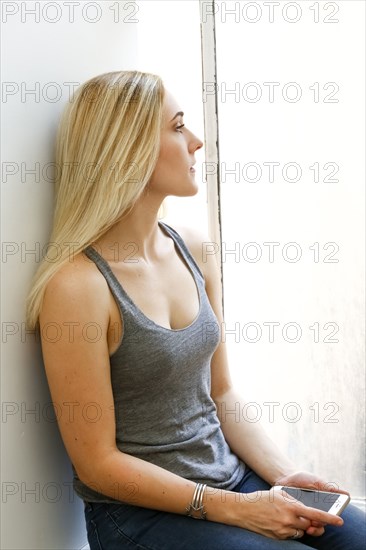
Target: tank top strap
(183,250)
(103,267)
(125,303)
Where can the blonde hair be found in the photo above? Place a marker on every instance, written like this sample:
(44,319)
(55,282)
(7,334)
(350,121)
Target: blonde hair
(107,146)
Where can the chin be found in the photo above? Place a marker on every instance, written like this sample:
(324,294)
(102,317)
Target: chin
(181,188)
(190,192)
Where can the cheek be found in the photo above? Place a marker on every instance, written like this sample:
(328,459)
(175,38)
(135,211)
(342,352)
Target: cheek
(171,156)
(173,163)
(164,168)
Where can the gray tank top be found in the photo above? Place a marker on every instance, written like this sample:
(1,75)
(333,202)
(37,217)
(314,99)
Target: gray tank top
(161,388)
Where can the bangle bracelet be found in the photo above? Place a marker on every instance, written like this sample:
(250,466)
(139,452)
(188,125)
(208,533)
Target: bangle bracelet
(196,507)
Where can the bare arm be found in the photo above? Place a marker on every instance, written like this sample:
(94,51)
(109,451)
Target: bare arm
(262,455)
(78,372)
(248,440)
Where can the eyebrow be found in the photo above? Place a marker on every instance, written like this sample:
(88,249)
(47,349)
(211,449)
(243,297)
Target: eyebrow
(179,113)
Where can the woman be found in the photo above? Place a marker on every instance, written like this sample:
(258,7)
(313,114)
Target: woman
(138,353)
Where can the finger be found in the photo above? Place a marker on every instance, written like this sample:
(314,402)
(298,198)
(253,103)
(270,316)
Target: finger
(318,515)
(317,524)
(315,531)
(297,534)
(320,485)
(303,523)
(329,487)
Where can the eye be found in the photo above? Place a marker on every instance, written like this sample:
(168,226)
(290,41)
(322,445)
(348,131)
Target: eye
(178,128)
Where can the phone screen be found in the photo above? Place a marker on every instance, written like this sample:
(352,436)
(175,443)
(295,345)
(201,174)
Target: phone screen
(314,499)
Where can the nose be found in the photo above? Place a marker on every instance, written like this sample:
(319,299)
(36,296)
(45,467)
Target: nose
(199,144)
(195,143)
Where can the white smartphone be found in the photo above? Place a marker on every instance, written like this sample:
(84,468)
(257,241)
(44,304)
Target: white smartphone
(333,503)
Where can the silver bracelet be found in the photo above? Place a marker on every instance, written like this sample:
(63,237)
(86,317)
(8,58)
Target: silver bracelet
(196,505)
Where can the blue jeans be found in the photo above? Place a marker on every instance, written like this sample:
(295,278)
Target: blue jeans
(120,526)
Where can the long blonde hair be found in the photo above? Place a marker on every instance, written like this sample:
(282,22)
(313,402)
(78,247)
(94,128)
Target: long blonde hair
(107,146)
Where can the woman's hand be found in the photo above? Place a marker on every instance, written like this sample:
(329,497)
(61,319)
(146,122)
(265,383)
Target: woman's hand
(276,515)
(307,480)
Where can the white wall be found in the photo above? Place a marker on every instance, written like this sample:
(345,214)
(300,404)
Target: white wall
(161,37)
(39,508)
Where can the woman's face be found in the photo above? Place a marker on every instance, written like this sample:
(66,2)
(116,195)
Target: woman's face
(173,173)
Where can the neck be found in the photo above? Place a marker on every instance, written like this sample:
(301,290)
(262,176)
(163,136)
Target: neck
(138,229)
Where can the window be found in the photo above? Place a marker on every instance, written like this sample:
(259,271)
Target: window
(291,140)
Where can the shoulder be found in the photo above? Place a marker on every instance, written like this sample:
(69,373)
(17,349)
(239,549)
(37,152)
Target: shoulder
(204,251)
(78,290)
